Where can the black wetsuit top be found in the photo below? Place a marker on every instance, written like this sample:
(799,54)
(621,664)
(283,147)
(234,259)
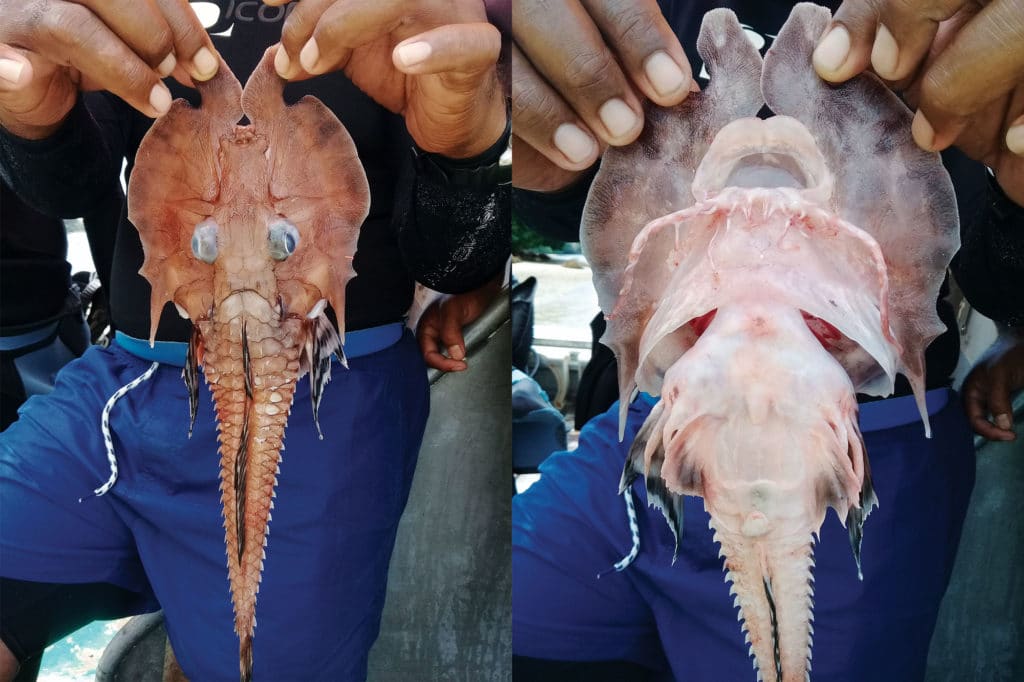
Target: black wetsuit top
(34,273)
(451,239)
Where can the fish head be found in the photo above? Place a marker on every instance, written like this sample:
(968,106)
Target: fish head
(272,207)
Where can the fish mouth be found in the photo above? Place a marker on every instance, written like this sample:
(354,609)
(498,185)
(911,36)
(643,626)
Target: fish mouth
(768,169)
(775,152)
(248,303)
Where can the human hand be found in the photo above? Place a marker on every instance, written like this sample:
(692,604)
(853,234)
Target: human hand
(50,50)
(579,71)
(433,61)
(440,326)
(988,389)
(961,64)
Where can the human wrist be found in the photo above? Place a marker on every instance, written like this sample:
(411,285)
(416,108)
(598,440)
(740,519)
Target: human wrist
(30,131)
(480,171)
(1007,200)
(483,125)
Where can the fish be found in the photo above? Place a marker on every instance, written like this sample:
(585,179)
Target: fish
(250,230)
(756,274)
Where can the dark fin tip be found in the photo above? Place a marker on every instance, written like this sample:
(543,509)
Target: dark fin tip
(246,364)
(670,504)
(855,521)
(241,458)
(775,626)
(245,658)
(191,375)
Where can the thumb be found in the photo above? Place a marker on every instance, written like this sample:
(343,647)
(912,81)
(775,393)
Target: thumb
(456,48)
(999,403)
(32,101)
(451,331)
(15,71)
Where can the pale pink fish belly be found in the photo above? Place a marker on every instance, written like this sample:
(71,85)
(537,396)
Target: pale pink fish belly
(757,275)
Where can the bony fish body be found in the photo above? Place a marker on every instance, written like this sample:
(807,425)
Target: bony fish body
(250,230)
(773,270)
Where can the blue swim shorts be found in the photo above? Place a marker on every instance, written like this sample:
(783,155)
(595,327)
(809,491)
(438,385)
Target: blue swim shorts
(158,530)
(679,619)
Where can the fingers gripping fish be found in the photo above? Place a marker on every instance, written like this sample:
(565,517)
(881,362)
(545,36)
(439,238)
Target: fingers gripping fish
(757,274)
(250,230)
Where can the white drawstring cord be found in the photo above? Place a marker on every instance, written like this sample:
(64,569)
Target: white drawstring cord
(105,427)
(634,531)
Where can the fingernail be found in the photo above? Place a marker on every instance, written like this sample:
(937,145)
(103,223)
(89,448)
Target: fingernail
(833,50)
(1015,139)
(167,65)
(456,353)
(1003,421)
(922,131)
(617,117)
(160,98)
(204,64)
(664,74)
(281,62)
(309,56)
(414,53)
(576,145)
(885,54)
(10,70)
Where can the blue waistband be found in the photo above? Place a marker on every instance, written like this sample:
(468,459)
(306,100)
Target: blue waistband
(358,343)
(17,341)
(889,413)
(886,414)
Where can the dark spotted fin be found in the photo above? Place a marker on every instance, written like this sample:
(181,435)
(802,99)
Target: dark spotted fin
(191,375)
(857,515)
(660,497)
(635,465)
(323,342)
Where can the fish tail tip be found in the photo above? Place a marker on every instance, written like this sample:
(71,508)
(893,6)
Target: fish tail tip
(245,658)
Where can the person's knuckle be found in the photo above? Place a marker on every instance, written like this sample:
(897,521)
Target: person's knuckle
(293,31)
(327,34)
(533,107)
(937,91)
(22,22)
(588,70)
(161,42)
(67,24)
(136,76)
(187,35)
(634,26)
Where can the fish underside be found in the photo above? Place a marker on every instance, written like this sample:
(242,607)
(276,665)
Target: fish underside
(250,230)
(757,274)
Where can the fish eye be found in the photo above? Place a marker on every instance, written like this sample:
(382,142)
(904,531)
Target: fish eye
(282,239)
(204,241)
